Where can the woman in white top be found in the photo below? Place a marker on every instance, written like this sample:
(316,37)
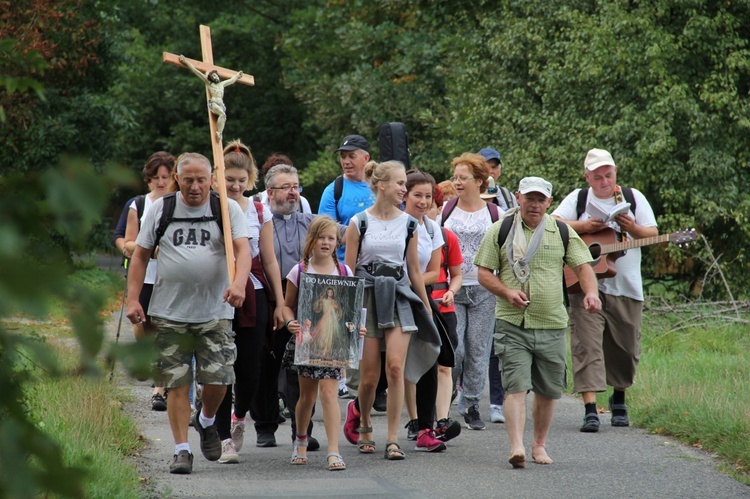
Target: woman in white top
(393,309)
(469,219)
(157,175)
(420,403)
(256,316)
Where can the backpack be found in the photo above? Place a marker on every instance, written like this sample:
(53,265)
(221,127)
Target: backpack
(411,226)
(451,205)
(170,202)
(394,143)
(583,196)
(338,190)
(444,259)
(140,206)
(507,196)
(564,235)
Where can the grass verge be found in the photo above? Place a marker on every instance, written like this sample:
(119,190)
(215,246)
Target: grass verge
(692,384)
(84,415)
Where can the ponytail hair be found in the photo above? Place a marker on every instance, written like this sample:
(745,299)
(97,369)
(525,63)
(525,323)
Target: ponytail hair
(238,155)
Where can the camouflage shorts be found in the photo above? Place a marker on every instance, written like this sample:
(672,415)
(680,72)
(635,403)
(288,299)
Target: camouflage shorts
(210,343)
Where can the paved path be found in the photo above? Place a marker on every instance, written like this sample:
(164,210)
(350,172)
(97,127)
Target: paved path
(617,462)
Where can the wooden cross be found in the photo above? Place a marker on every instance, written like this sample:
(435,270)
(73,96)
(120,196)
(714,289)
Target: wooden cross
(216,145)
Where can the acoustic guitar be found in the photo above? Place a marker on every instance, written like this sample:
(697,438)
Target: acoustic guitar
(606,249)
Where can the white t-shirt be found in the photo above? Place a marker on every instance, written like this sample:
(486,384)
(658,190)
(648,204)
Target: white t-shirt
(383,241)
(427,244)
(253,225)
(470,228)
(628,281)
(192,273)
(151,268)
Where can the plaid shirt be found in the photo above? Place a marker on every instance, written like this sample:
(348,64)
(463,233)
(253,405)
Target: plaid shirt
(544,288)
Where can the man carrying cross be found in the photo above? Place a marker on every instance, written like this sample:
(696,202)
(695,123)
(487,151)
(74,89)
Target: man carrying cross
(215,88)
(193,302)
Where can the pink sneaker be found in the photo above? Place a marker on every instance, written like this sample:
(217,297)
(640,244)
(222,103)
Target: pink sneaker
(352,423)
(426,442)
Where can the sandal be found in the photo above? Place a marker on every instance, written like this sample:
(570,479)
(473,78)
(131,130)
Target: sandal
(299,441)
(361,444)
(393,451)
(337,464)
(619,414)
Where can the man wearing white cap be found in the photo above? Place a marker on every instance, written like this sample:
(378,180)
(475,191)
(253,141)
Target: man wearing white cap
(531,319)
(606,346)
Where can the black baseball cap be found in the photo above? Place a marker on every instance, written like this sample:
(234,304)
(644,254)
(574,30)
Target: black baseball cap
(354,142)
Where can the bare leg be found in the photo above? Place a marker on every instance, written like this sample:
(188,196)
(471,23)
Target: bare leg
(515,421)
(211,397)
(445,390)
(329,397)
(369,373)
(178,412)
(308,393)
(542,412)
(396,346)
(589,397)
(410,399)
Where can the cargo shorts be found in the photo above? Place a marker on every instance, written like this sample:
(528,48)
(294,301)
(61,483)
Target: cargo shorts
(211,344)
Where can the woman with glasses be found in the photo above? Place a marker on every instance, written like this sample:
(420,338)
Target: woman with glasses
(255,318)
(469,217)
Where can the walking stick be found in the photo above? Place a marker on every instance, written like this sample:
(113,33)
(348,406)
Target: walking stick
(119,322)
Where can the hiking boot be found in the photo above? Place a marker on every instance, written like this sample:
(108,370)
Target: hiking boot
(426,442)
(237,430)
(182,464)
(228,453)
(496,414)
(158,402)
(472,419)
(591,423)
(210,441)
(447,429)
(412,429)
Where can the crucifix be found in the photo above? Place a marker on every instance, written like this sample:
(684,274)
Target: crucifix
(216,120)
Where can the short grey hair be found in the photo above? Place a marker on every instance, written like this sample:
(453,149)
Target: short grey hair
(190,157)
(273,172)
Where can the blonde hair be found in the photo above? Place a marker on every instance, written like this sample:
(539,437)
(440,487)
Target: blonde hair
(238,155)
(477,165)
(320,224)
(380,172)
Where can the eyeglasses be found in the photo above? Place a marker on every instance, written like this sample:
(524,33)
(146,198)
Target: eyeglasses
(287,188)
(455,179)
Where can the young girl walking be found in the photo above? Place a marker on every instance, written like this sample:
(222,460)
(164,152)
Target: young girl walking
(318,257)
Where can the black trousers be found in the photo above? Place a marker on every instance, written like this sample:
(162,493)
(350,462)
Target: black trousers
(247,368)
(426,395)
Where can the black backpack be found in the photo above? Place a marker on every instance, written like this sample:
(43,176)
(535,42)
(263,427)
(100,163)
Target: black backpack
(140,206)
(507,223)
(583,196)
(167,215)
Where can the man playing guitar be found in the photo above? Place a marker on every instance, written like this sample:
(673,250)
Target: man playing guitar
(606,346)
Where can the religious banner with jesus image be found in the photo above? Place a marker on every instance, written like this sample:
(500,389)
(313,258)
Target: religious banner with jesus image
(329,309)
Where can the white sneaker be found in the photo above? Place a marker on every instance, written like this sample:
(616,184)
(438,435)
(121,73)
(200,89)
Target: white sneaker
(237,430)
(228,453)
(496,414)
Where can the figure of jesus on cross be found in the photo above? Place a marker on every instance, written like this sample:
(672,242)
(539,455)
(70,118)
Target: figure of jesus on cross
(215,88)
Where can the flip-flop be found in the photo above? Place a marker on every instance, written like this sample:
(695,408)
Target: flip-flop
(336,465)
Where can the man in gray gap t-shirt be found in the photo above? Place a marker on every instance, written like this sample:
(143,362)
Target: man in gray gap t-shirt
(192,303)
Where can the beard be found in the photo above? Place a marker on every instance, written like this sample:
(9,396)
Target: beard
(286,207)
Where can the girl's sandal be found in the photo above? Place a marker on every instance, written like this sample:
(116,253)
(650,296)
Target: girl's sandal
(365,446)
(299,442)
(393,451)
(337,464)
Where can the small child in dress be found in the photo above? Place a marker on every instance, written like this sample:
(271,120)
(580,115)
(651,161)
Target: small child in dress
(318,257)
